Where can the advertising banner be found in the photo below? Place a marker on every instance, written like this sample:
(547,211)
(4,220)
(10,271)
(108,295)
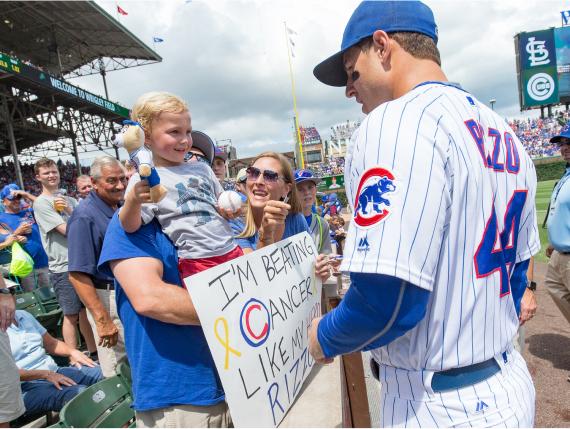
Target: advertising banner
(331,183)
(538,73)
(17,67)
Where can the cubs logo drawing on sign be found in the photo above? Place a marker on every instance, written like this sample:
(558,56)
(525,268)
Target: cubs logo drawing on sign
(255,322)
(371,200)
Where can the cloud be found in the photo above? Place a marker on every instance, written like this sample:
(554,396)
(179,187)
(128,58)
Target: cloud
(228,59)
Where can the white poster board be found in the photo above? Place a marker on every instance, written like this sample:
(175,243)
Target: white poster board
(255,312)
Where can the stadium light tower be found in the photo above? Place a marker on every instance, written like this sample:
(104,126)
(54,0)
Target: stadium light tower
(492,101)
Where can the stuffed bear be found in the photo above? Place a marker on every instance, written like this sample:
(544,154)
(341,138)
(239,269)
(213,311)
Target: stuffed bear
(132,139)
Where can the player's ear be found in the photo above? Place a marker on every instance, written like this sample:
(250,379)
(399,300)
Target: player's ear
(382,45)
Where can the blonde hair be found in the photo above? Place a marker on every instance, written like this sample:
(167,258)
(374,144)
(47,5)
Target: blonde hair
(149,106)
(287,173)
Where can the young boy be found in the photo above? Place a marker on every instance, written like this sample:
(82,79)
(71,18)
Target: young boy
(188,214)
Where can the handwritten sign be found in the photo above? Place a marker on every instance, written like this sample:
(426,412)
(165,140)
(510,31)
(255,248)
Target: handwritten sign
(255,312)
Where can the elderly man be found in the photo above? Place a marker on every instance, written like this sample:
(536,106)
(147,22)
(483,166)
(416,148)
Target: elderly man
(558,275)
(52,211)
(11,403)
(18,224)
(84,186)
(86,231)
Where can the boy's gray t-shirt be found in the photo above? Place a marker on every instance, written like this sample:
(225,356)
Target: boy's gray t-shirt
(55,244)
(187,214)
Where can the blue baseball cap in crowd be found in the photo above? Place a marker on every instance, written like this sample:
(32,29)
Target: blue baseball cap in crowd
(369,16)
(221,153)
(203,142)
(563,137)
(304,176)
(7,191)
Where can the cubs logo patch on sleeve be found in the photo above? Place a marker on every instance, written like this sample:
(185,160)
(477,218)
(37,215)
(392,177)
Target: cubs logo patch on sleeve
(372,197)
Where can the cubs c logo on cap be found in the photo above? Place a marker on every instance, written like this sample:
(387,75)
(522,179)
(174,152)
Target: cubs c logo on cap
(371,200)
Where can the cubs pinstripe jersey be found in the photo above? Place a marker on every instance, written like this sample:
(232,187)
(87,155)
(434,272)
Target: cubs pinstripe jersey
(443,196)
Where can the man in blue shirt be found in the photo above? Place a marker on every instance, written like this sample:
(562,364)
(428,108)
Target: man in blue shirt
(175,382)
(85,233)
(557,276)
(17,224)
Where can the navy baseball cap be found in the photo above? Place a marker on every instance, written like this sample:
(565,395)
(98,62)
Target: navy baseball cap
(203,142)
(563,137)
(7,191)
(369,16)
(221,153)
(304,176)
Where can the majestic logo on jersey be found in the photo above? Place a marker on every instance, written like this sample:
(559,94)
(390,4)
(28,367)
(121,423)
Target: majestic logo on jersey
(481,406)
(370,205)
(363,245)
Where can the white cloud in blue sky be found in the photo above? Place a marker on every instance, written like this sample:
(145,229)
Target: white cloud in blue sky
(228,59)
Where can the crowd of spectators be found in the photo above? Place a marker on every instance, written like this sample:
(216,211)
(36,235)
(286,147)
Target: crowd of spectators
(535,133)
(310,135)
(344,131)
(67,170)
(333,166)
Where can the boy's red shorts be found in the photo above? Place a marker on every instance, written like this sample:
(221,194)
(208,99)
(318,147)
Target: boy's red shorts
(187,267)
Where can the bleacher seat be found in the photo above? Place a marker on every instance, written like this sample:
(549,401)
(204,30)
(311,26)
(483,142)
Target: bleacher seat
(106,404)
(49,314)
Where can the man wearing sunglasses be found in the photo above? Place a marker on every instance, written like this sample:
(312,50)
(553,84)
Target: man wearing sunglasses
(18,225)
(202,149)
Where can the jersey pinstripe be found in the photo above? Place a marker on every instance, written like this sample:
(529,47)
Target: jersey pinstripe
(432,178)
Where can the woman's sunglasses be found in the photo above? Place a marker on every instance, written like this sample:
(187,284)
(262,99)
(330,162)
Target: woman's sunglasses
(198,157)
(253,174)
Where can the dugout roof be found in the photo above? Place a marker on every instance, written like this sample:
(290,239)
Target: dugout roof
(80,31)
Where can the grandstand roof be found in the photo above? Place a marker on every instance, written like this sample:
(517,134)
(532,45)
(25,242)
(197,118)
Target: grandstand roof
(81,31)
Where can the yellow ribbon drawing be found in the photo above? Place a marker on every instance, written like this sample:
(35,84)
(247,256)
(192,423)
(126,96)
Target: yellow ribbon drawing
(225,343)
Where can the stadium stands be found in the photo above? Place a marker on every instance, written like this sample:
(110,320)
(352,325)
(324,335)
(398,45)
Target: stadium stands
(67,171)
(535,133)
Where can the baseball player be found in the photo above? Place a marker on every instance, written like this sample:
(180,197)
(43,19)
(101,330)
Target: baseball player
(443,197)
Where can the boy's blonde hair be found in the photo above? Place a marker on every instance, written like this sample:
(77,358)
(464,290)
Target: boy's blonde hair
(149,106)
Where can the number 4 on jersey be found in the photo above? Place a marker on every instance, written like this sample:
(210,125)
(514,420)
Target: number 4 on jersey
(497,251)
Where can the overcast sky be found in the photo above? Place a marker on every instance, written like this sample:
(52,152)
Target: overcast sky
(228,60)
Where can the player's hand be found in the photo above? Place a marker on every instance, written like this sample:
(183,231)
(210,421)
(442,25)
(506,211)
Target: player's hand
(77,359)
(549,251)
(59,380)
(108,333)
(7,310)
(528,306)
(314,346)
(229,214)
(140,193)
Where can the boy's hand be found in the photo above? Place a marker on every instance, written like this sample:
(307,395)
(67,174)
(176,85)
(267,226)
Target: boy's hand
(140,193)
